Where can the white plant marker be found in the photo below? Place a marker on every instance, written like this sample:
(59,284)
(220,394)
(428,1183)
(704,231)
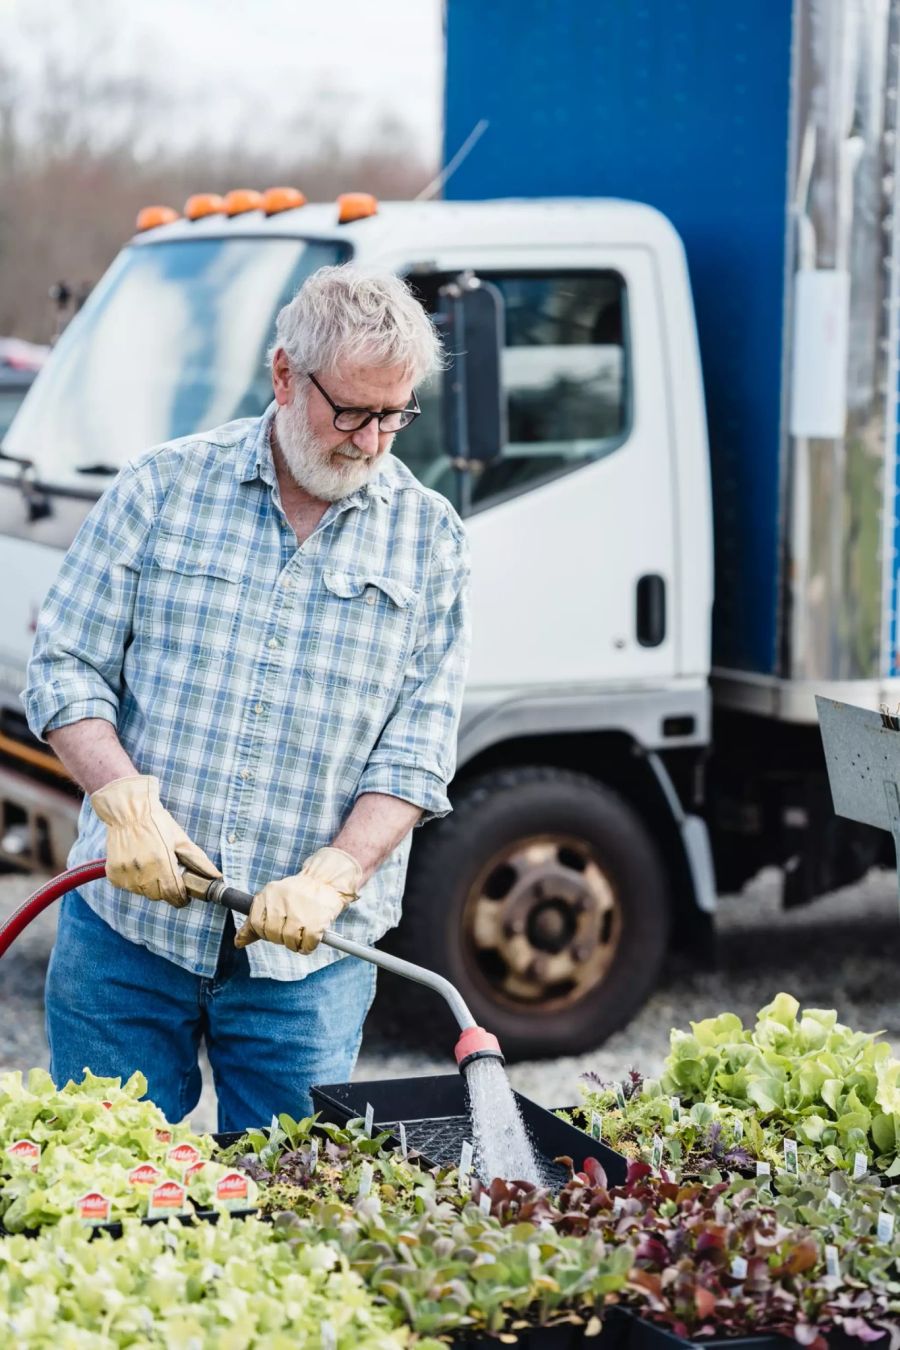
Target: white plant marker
(832,1264)
(404,1150)
(620,1097)
(739,1268)
(328,1336)
(738,1129)
(313,1155)
(656,1155)
(791,1163)
(465,1163)
(885,1230)
(484,1202)
(365,1179)
(596,1126)
(833,1198)
(763,1169)
(860,1165)
(675,1103)
(370,1118)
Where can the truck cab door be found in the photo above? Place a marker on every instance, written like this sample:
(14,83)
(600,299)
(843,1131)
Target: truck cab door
(573,521)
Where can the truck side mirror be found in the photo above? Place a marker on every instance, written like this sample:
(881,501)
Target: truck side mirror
(470,320)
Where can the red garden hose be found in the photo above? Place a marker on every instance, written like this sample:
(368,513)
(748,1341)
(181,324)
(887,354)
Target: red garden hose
(19,920)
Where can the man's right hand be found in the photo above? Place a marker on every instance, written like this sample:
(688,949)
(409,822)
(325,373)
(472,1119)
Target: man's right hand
(146,847)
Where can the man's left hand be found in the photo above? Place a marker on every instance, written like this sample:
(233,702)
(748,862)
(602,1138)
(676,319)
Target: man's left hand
(296,910)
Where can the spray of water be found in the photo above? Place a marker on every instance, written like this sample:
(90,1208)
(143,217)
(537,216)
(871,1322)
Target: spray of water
(502,1146)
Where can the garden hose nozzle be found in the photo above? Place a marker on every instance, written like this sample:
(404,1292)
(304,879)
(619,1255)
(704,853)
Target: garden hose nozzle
(476,1043)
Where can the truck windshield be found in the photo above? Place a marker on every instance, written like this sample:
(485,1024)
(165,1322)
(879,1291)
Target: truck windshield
(172,340)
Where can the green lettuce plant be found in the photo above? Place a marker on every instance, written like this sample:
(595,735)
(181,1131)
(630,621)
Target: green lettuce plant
(230,1286)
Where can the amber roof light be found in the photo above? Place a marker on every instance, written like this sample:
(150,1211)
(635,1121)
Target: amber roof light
(150,216)
(277,199)
(356,206)
(204,204)
(240,200)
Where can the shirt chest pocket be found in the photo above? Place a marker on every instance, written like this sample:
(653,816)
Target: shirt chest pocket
(191,592)
(363,630)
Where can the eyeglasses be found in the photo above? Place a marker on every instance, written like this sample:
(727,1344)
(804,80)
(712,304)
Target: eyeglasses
(389,420)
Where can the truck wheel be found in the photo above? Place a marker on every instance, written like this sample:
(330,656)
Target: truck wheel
(544,900)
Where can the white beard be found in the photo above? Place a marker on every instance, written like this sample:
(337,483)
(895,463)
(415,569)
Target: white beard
(311,462)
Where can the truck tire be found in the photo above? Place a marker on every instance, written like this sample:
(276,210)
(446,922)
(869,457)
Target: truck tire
(544,900)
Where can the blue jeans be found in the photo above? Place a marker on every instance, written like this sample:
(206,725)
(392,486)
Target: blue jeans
(115,1007)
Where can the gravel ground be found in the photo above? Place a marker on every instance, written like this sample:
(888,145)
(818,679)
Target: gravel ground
(842,952)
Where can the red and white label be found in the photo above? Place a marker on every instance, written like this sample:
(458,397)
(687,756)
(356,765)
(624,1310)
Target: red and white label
(93,1207)
(168,1198)
(232,1187)
(25,1151)
(108,1105)
(193,1170)
(164,1136)
(145,1174)
(183,1155)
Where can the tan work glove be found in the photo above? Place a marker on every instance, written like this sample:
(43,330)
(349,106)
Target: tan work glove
(296,910)
(145,847)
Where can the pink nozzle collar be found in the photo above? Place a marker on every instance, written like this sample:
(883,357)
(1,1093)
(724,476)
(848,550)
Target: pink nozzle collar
(476,1043)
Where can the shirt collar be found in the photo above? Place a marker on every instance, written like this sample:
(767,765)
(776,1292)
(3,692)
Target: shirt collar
(254,460)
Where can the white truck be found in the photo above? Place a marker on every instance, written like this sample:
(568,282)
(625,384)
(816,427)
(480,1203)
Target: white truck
(621,756)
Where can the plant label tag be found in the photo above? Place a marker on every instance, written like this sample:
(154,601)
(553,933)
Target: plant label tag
(790,1157)
(656,1155)
(167,1198)
(484,1202)
(833,1198)
(832,1264)
(675,1103)
(370,1118)
(183,1155)
(313,1155)
(234,1190)
(365,1180)
(164,1136)
(860,1165)
(93,1207)
(327,1336)
(25,1151)
(404,1149)
(596,1126)
(107,1106)
(465,1163)
(192,1171)
(273,1124)
(145,1174)
(534,1257)
(738,1129)
(885,1230)
(739,1268)
(618,1205)
(620,1097)
(763,1169)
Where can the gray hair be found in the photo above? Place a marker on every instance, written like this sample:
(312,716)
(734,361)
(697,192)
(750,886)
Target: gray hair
(346,314)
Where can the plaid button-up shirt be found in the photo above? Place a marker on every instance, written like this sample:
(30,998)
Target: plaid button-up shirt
(266,685)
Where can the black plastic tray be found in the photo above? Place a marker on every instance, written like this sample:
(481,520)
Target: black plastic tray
(638,1333)
(436,1115)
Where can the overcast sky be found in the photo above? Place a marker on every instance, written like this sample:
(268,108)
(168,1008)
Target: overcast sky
(256,57)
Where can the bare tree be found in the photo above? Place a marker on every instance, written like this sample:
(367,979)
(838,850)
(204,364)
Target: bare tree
(83,148)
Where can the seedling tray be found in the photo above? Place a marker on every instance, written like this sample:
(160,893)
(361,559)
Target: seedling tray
(637,1333)
(435,1112)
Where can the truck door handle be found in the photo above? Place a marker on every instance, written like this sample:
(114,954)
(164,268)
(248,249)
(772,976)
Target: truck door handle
(651,610)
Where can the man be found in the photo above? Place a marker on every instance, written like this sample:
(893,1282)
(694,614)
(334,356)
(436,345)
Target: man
(252,661)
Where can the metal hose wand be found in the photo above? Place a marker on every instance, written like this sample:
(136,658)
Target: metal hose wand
(474,1043)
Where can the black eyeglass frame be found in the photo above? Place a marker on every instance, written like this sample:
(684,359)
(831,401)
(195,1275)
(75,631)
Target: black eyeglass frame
(367,414)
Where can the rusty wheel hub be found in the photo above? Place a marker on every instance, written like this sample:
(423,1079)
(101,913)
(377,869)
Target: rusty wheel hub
(542,922)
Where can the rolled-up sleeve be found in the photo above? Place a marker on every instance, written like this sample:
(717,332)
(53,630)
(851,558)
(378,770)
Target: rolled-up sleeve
(415,756)
(75,671)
